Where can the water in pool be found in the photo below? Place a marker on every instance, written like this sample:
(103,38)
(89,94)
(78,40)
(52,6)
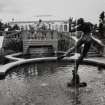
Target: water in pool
(46,84)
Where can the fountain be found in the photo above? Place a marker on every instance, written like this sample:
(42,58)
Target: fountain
(75,82)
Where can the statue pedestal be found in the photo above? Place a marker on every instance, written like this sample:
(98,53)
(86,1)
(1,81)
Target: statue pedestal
(75,82)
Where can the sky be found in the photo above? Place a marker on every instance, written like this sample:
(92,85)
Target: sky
(26,10)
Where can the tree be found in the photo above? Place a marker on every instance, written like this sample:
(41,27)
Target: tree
(70,23)
(102,15)
(1,25)
(102,25)
(15,27)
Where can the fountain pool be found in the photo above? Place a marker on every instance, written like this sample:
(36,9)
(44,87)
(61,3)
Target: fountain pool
(46,84)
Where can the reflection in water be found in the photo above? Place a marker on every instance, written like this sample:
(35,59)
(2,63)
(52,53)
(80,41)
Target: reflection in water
(34,70)
(76,97)
(46,84)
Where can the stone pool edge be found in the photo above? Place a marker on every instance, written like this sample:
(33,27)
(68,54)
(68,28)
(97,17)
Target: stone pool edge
(21,61)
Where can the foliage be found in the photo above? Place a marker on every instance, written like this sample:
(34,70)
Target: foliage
(15,27)
(102,25)
(64,44)
(102,15)
(14,45)
(3,26)
(3,60)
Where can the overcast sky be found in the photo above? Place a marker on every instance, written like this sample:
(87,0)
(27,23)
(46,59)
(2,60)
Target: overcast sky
(59,9)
